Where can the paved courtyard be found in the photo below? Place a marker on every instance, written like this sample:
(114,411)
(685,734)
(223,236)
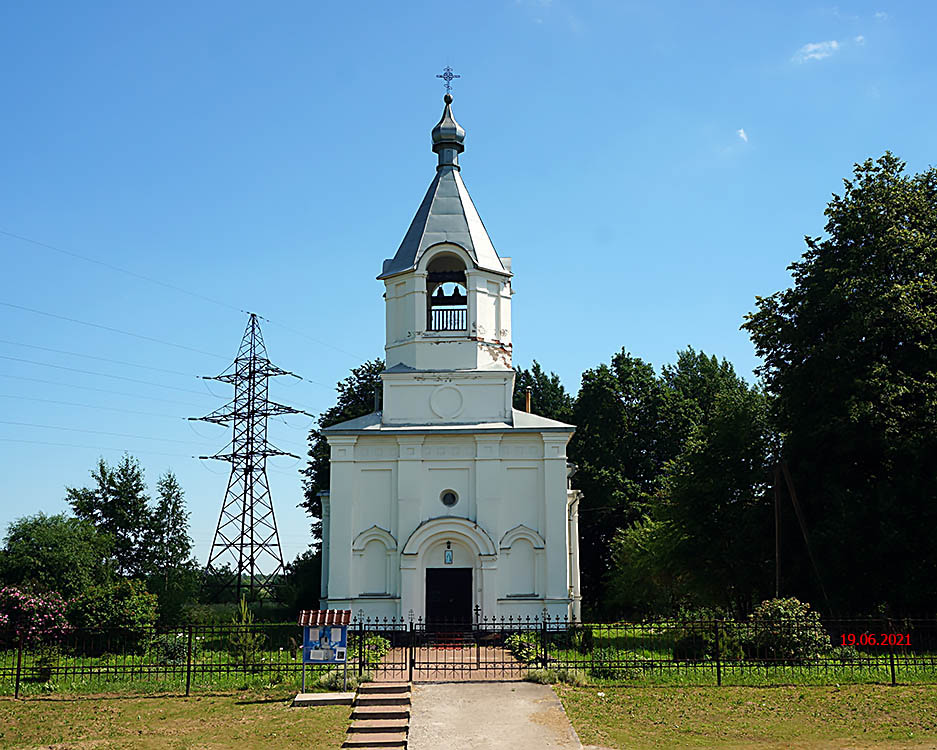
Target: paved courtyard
(490,715)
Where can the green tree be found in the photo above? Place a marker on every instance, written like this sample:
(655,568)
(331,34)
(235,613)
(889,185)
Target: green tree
(548,397)
(644,578)
(54,553)
(174,576)
(118,506)
(123,603)
(634,433)
(620,446)
(302,581)
(716,505)
(355,399)
(850,356)
(170,543)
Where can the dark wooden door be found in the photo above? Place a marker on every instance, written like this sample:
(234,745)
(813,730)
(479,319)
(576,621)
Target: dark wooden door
(449,595)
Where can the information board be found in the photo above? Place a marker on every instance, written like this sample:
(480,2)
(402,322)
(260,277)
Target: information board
(325,644)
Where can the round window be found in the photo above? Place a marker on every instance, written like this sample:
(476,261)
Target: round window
(449,498)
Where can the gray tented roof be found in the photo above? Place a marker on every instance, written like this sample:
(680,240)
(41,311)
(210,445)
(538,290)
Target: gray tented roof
(447,213)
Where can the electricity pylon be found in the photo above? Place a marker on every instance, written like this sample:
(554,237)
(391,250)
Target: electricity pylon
(245,553)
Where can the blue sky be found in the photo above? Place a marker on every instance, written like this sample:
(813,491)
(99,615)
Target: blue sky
(650,167)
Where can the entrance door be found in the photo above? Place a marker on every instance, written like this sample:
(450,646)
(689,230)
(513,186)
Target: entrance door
(449,595)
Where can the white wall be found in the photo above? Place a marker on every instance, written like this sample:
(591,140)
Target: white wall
(395,482)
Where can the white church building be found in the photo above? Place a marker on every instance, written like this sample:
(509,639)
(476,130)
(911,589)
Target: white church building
(448,503)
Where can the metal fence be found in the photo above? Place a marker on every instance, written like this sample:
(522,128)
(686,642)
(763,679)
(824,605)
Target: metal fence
(686,652)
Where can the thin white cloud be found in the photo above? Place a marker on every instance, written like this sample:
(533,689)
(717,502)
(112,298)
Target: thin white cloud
(860,39)
(881,15)
(742,134)
(816,51)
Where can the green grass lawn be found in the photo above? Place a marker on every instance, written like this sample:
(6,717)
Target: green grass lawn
(232,720)
(769,718)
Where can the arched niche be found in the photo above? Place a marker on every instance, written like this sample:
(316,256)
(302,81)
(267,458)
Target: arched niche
(518,569)
(521,532)
(373,551)
(374,532)
(446,293)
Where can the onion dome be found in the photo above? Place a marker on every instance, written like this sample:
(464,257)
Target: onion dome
(448,137)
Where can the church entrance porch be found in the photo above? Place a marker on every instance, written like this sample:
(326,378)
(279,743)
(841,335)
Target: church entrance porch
(449,596)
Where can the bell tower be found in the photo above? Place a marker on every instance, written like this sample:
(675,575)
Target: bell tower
(447,502)
(448,306)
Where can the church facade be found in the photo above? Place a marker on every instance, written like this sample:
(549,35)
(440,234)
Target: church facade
(447,503)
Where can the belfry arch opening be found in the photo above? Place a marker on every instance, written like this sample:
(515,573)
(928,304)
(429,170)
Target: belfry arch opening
(446,298)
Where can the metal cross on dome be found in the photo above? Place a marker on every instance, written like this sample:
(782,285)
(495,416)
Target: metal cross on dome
(447,75)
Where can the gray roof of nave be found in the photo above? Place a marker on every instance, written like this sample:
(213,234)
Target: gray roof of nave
(521,421)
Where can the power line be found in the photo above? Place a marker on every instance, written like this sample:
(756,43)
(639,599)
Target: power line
(92,406)
(176,288)
(124,362)
(101,390)
(98,432)
(101,374)
(358,357)
(111,329)
(93,356)
(135,274)
(91,447)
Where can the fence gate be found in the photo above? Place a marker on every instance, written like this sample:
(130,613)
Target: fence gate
(471,651)
(430,651)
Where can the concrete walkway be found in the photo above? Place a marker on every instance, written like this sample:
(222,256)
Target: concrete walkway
(489,716)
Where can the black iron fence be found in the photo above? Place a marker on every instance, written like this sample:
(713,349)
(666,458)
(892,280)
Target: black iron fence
(686,652)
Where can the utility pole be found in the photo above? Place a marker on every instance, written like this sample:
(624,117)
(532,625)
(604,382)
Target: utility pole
(245,553)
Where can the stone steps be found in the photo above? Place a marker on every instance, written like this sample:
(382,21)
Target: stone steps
(376,739)
(383,699)
(380,716)
(380,712)
(368,726)
(372,688)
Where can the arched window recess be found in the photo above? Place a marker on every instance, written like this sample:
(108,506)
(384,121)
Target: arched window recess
(446,299)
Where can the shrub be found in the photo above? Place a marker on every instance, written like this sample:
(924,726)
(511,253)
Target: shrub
(787,630)
(603,664)
(244,642)
(123,611)
(208,614)
(573,677)
(845,654)
(696,641)
(577,637)
(375,647)
(37,618)
(47,658)
(524,646)
(334,679)
(171,649)
(609,664)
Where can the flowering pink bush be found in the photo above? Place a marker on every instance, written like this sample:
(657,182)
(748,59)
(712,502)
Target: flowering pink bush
(35,617)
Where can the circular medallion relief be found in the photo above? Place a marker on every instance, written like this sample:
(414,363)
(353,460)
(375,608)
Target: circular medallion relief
(446,402)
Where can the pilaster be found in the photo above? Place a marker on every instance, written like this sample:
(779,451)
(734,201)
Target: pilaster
(409,485)
(556,521)
(342,477)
